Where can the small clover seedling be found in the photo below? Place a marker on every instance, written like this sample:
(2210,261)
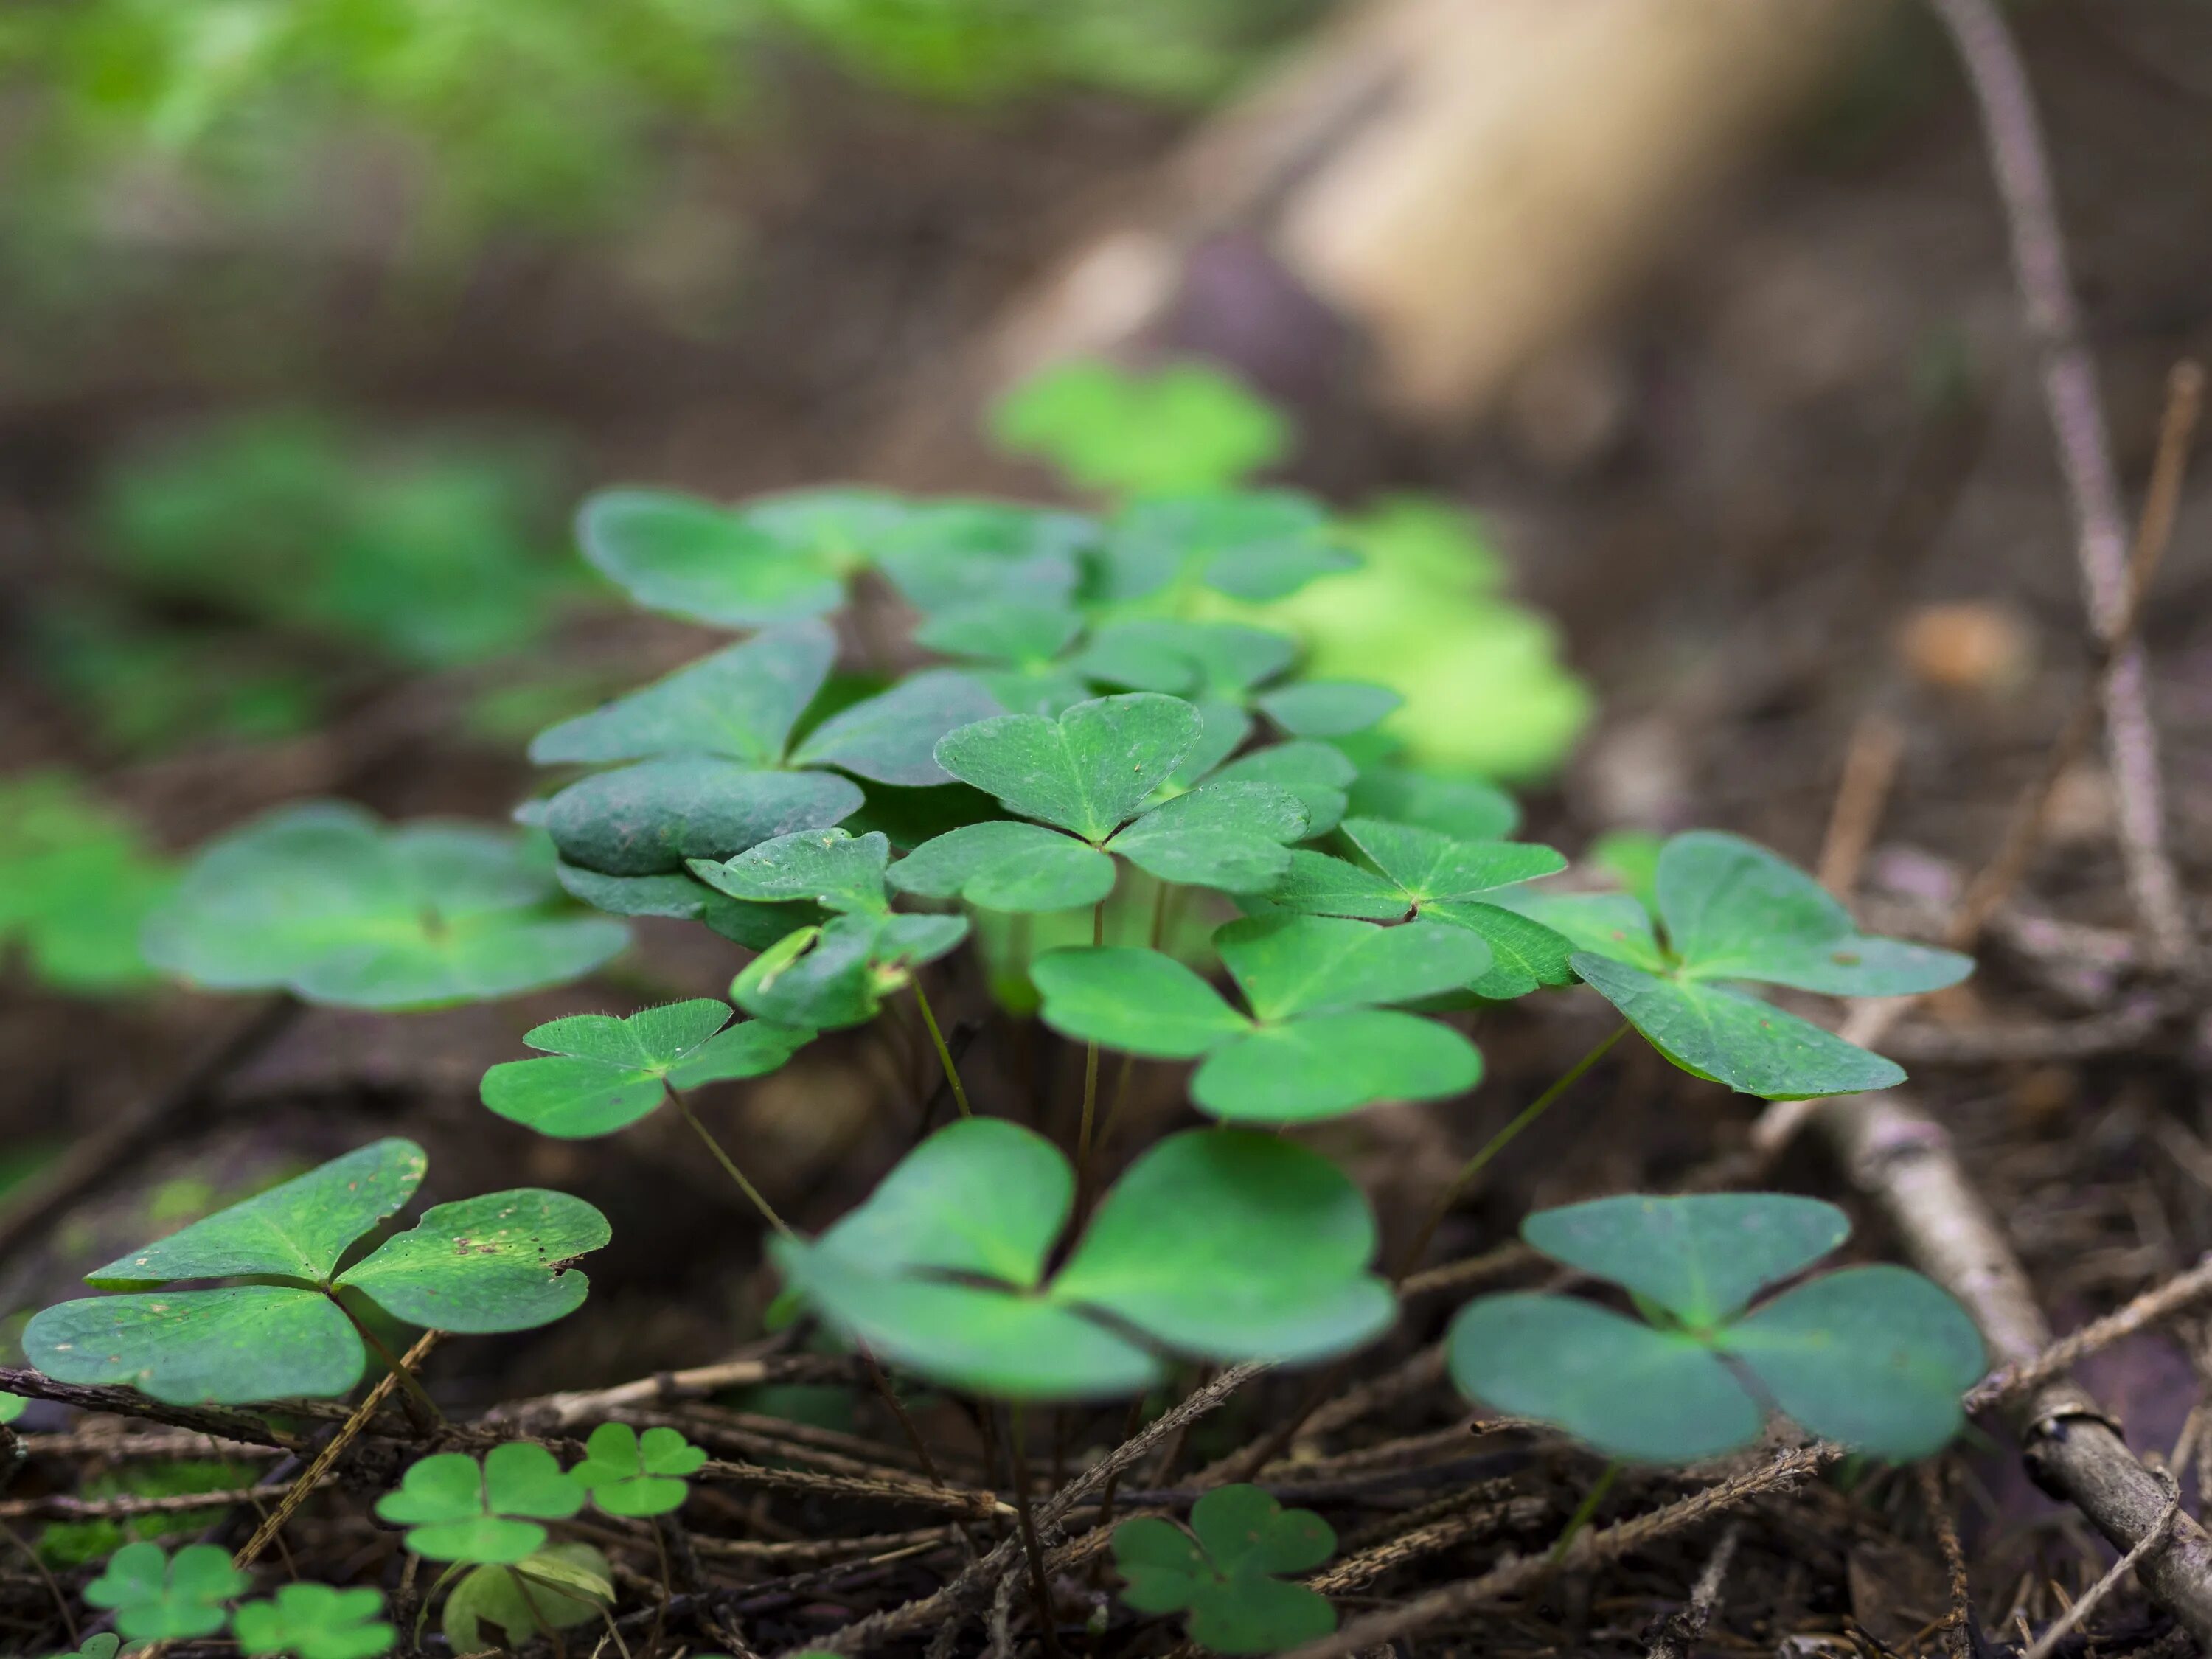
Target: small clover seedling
(1225,1577)
(495,1263)
(631,1475)
(714,768)
(1319,1041)
(1090,775)
(1220,1244)
(102,1646)
(315,1621)
(76,884)
(456,1509)
(1734,912)
(1185,427)
(600,1073)
(560,1586)
(1872,1357)
(325,902)
(158,1598)
(1411,870)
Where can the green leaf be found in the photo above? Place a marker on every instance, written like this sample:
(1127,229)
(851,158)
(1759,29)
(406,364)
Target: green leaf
(458,1510)
(630,1477)
(950,555)
(158,1598)
(1875,1357)
(1290,965)
(559,1586)
(1316,772)
(1734,911)
(1140,1002)
(1701,1257)
(1264,1254)
(1611,925)
(1713,1031)
(1087,772)
(226,1346)
(1466,809)
(1316,884)
(741,703)
(1231,836)
(835,526)
(1629,1390)
(1432,868)
(295,1231)
(1192,659)
(1254,545)
(324,901)
(76,885)
(602,1074)
(1325,1065)
(102,1646)
(495,1263)
(1230,1241)
(831,868)
(684,899)
(1007,633)
(1328,709)
(837,974)
(1186,426)
(689,558)
(649,819)
(315,1621)
(1022,867)
(11,1407)
(891,738)
(1225,1579)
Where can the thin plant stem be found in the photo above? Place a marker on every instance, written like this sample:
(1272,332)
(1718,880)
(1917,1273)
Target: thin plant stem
(421,1406)
(1159,929)
(730,1168)
(1498,1142)
(944,1054)
(1038,1583)
(1585,1511)
(1082,1132)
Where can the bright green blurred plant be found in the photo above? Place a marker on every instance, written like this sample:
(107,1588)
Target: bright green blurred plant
(76,883)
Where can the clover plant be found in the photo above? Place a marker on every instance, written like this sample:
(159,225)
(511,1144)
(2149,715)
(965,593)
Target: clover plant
(1734,912)
(325,902)
(102,1646)
(1225,1570)
(1874,1357)
(156,1597)
(315,1621)
(1319,1040)
(485,1513)
(1185,427)
(628,1474)
(1217,1244)
(76,884)
(292,1323)
(558,1587)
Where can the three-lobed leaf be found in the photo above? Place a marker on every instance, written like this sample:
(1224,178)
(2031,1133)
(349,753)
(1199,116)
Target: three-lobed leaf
(628,1474)
(315,1621)
(457,1509)
(1225,1576)
(159,1597)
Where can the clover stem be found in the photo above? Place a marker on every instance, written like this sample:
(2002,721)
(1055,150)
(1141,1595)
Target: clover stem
(1159,929)
(420,1407)
(1019,1458)
(1498,1142)
(730,1168)
(944,1054)
(1584,1510)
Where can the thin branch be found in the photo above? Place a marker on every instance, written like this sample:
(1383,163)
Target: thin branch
(1678,1633)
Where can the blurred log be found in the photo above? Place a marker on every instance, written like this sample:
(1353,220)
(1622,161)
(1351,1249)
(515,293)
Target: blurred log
(1467,183)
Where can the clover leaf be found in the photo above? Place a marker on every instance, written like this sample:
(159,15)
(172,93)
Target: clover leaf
(1186,426)
(1225,1577)
(631,1475)
(1253,545)
(831,868)
(102,1646)
(1328,709)
(76,884)
(836,974)
(456,1509)
(1734,912)
(714,764)
(1466,809)
(946,555)
(560,1586)
(1014,650)
(784,560)
(325,902)
(1217,1244)
(1411,870)
(495,1263)
(1319,1041)
(1875,1357)
(156,1597)
(1193,659)
(1088,775)
(315,1621)
(684,897)
(601,1073)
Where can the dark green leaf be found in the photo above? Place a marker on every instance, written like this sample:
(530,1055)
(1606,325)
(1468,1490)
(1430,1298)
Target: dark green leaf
(650,818)
(828,867)
(756,926)
(890,739)
(1289,965)
(1701,1257)
(1008,632)
(229,1346)
(1140,1002)
(495,1263)
(1466,809)
(602,1074)
(741,703)
(1328,709)
(692,558)
(1007,866)
(1232,837)
(1087,772)
(1316,772)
